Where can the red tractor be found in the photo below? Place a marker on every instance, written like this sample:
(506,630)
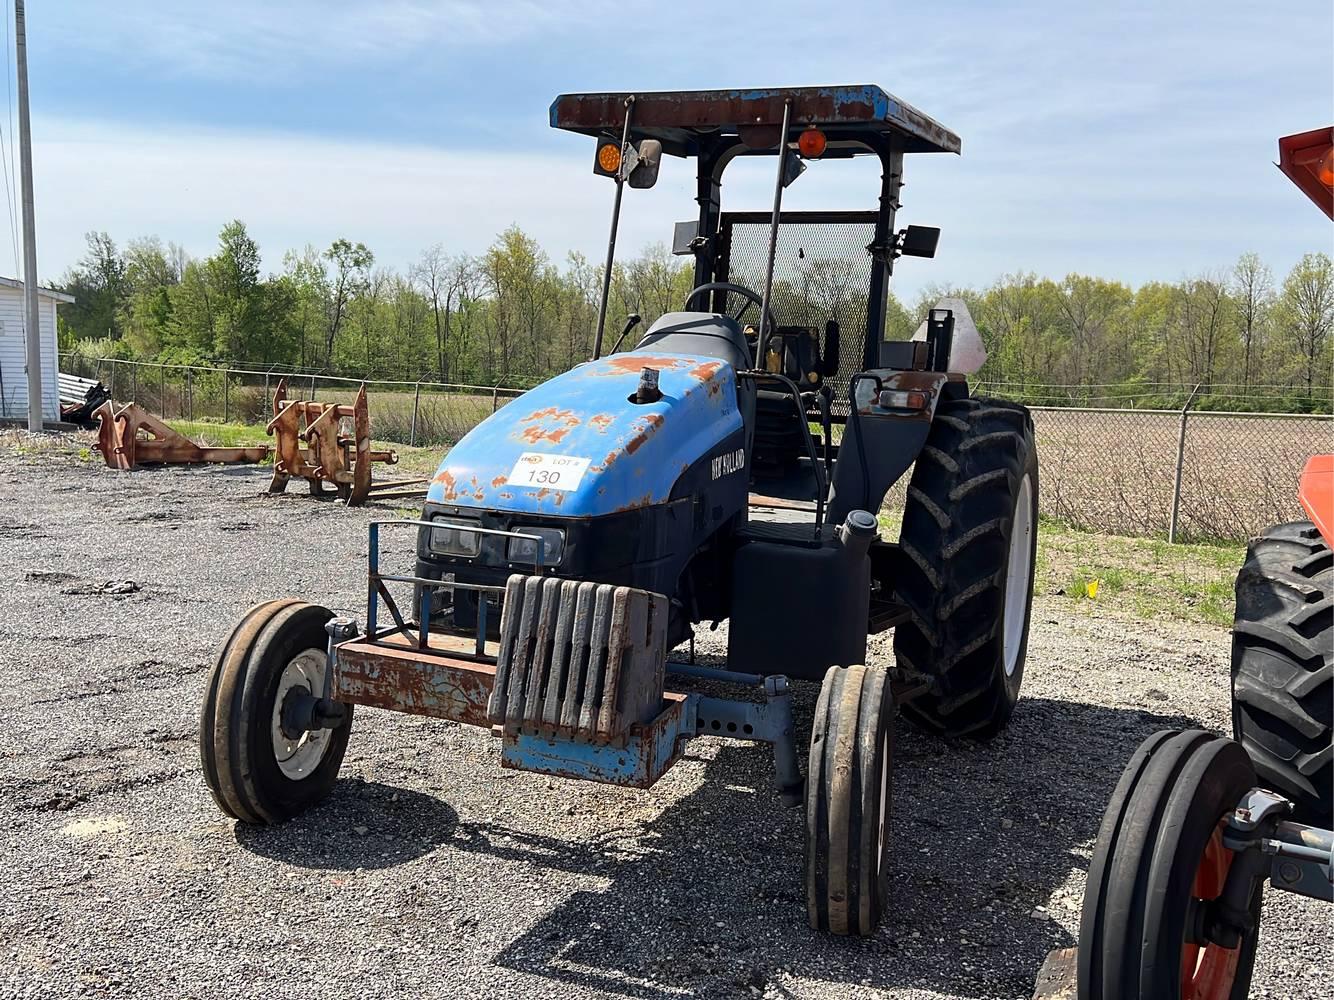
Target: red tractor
(1198,823)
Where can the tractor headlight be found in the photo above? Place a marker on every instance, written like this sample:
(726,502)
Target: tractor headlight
(524,550)
(455,538)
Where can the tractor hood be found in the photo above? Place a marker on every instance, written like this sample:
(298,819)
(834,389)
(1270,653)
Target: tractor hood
(577,446)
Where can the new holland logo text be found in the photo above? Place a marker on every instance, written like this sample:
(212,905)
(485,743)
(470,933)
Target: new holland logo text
(732,461)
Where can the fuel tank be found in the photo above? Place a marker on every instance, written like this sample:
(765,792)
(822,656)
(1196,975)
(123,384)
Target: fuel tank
(580,446)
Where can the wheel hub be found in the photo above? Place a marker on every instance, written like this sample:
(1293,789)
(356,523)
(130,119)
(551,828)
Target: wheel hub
(1208,970)
(298,750)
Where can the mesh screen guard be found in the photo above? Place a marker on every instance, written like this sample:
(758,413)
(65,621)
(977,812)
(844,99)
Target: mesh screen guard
(822,271)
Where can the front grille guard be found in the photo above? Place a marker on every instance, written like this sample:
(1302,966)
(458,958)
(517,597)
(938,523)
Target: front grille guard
(376,591)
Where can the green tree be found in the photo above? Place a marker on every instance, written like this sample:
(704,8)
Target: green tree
(351,265)
(1306,315)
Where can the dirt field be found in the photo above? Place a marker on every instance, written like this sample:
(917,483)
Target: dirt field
(1115,470)
(433,873)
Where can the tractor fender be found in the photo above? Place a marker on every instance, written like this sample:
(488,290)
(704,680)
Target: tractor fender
(884,441)
(1315,490)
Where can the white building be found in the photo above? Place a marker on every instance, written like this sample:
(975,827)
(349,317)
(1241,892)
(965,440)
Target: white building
(14,351)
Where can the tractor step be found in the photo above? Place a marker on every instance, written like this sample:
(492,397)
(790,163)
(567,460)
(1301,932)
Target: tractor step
(884,615)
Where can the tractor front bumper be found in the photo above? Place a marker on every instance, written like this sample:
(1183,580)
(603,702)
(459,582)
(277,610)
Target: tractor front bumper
(445,680)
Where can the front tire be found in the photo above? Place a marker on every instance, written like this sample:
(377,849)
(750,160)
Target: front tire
(969,541)
(1158,856)
(258,771)
(847,801)
(1283,666)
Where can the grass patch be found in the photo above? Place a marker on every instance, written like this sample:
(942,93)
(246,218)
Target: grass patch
(211,434)
(1146,577)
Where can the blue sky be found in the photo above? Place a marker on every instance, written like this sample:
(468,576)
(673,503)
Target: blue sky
(1131,140)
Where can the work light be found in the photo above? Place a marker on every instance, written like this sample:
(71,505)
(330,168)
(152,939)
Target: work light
(524,550)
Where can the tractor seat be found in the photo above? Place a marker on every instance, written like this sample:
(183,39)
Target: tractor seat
(708,335)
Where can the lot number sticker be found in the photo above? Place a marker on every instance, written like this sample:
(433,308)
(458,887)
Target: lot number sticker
(552,472)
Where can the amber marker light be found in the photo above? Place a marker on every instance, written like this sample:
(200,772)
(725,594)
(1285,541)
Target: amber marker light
(608,158)
(812,143)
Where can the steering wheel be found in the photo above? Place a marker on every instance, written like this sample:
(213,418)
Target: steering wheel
(752,299)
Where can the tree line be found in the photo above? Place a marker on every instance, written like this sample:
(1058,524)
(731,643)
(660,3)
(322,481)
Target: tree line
(511,315)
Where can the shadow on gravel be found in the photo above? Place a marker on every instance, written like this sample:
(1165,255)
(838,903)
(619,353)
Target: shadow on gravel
(374,826)
(707,898)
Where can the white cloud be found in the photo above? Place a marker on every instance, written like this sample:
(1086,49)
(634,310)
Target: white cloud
(1005,207)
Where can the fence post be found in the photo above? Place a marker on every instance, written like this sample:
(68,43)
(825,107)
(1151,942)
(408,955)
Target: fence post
(312,387)
(1181,457)
(226,396)
(416,402)
(495,398)
(112,379)
(134,383)
(190,394)
(266,396)
(162,390)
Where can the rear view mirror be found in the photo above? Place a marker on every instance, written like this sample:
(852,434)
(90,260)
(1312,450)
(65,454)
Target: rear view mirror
(919,241)
(641,163)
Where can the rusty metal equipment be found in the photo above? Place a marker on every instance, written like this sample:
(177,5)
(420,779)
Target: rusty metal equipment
(313,444)
(131,436)
(573,539)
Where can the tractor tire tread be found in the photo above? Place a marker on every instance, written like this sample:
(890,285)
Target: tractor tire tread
(1283,665)
(845,879)
(1167,802)
(955,534)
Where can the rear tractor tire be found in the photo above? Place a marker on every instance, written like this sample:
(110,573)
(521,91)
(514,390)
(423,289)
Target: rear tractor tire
(968,541)
(1158,865)
(847,801)
(1283,666)
(260,769)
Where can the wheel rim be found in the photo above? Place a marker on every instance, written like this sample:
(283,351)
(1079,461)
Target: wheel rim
(1018,574)
(1208,971)
(881,832)
(303,676)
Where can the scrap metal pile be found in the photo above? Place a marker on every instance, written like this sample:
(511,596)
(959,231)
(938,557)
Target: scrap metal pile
(319,442)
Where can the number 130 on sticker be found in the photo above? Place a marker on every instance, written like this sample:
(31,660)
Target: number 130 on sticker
(552,472)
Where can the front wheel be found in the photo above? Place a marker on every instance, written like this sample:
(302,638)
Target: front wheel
(847,801)
(261,766)
(1158,864)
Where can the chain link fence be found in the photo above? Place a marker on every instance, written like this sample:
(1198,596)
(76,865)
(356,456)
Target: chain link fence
(1184,474)
(410,413)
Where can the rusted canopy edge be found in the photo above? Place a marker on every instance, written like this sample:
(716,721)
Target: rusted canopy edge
(1302,158)
(680,119)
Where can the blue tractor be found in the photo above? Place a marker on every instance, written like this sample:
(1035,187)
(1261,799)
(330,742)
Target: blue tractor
(729,467)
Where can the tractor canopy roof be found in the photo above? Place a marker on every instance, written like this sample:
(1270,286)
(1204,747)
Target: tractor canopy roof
(686,122)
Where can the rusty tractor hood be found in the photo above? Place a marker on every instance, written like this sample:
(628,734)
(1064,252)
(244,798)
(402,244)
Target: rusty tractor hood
(577,446)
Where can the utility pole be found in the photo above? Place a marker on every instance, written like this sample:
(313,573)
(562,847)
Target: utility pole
(32,317)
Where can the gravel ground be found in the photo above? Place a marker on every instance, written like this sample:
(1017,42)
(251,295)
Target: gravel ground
(433,873)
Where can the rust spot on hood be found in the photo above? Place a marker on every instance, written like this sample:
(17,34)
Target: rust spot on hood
(499,481)
(548,424)
(632,364)
(644,501)
(651,424)
(705,370)
(601,422)
(446,479)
